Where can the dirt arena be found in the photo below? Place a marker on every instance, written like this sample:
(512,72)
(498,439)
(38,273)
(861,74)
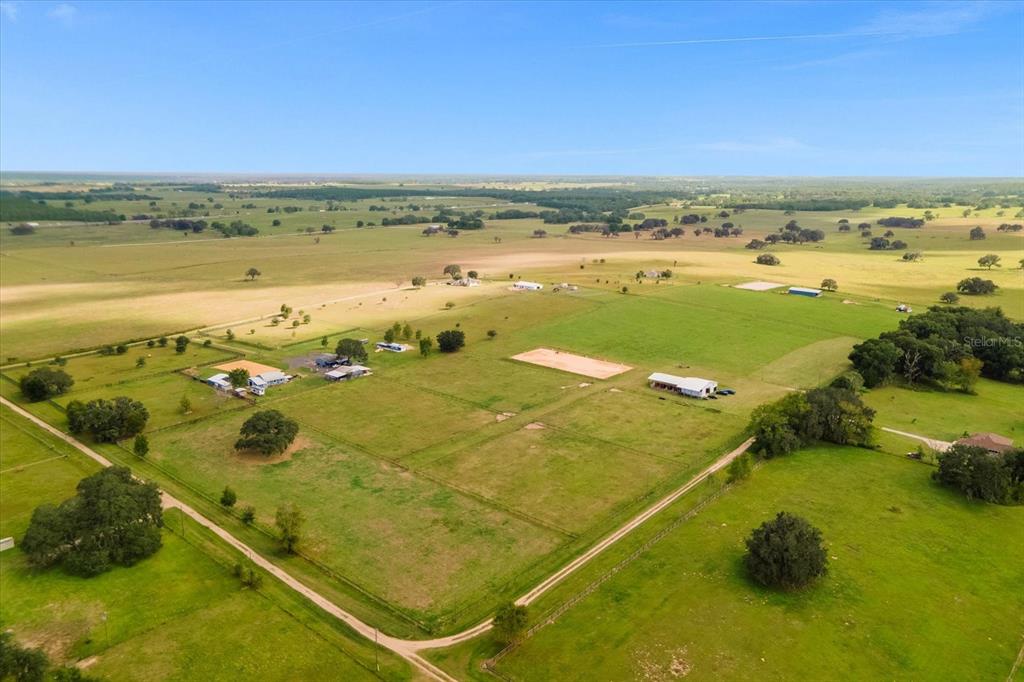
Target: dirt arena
(570,362)
(758,286)
(253,367)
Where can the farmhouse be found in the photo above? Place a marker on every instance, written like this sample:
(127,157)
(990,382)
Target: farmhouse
(527,286)
(220,382)
(261,382)
(992,442)
(693,387)
(805,291)
(345,373)
(464,282)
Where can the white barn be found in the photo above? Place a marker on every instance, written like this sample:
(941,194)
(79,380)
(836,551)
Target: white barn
(527,286)
(695,387)
(220,381)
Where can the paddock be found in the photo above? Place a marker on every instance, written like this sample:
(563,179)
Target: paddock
(570,362)
(254,368)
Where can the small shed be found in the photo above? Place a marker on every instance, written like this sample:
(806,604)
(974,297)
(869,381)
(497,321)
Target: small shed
(805,291)
(694,387)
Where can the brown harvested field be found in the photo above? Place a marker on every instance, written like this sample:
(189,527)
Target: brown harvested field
(254,368)
(570,362)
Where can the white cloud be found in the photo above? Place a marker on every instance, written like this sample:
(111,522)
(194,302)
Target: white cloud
(766,146)
(931,20)
(63,13)
(9,10)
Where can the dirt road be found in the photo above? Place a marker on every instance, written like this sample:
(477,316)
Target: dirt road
(408,649)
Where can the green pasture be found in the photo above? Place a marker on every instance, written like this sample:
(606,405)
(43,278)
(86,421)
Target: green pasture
(895,604)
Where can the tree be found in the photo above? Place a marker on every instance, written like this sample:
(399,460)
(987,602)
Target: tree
(114,519)
(21,664)
(426,343)
(740,468)
(980,474)
(510,622)
(977,234)
(185,405)
(140,362)
(108,421)
(912,256)
(876,360)
(829,284)
(768,259)
(141,445)
(785,552)
(352,349)
(451,340)
(407,331)
(43,383)
(949,297)
(976,286)
(267,432)
(453,270)
(988,260)
(162,341)
(181,343)
(964,374)
(491,333)
(248,515)
(289,521)
(252,273)
(239,377)
(851,381)
(419,281)
(228,497)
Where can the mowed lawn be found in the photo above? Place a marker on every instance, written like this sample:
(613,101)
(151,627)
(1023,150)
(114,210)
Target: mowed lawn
(946,415)
(178,615)
(922,584)
(413,542)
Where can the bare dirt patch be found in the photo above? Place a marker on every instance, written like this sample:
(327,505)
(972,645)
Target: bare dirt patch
(503,416)
(257,459)
(534,426)
(253,368)
(758,285)
(570,362)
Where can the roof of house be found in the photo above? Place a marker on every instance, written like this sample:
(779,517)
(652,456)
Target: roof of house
(806,290)
(218,377)
(990,441)
(688,383)
(345,371)
(276,375)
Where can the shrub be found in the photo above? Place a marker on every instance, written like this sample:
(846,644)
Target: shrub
(740,468)
(451,340)
(510,622)
(228,497)
(949,297)
(248,514)
(786,552)
(768,259)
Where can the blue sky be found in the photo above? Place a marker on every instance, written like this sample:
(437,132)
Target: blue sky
(769,88)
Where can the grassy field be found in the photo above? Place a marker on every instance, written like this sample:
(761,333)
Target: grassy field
(895,603)
(178,615)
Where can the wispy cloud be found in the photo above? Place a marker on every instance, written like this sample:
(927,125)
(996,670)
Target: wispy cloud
(837,59)
(64,13)
(765,146)
(9,10)
(745,39)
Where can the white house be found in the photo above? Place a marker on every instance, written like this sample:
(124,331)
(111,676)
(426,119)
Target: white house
(259,383)
(694,387)
(464,282)
(527,286)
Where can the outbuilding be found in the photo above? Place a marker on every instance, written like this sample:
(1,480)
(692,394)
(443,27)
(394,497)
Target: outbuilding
(527,286)
(345,373)
(693,387)
(220,382)
(393,347)
(805,291)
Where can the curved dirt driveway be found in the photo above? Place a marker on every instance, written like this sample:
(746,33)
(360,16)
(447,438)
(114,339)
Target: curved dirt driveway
(406,648)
